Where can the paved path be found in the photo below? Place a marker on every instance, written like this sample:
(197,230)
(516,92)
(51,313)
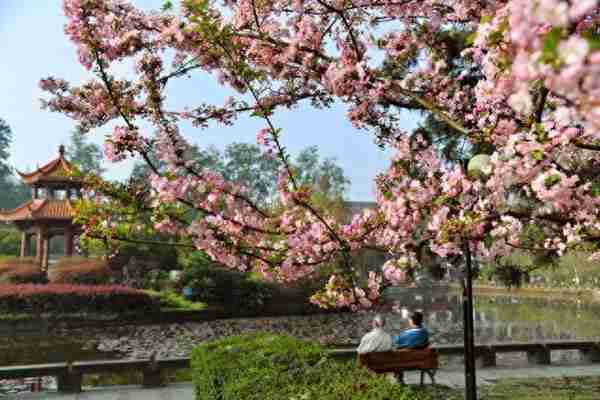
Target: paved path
(486,376)
(447,377)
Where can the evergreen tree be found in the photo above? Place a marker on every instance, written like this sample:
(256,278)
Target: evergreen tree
(87,156)
(5,140)
(245,163)
(13,192)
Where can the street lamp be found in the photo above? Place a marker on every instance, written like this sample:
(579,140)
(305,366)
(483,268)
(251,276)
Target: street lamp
(478,167)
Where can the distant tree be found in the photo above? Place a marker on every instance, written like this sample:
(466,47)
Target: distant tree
(10,239)
(5,140)
(246,164)
(87,156)
(326,176)
(13,192)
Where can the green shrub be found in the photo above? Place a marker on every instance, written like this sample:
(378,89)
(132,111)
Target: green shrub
(275,367)
(172,300)
(21,270)
(80,270)
(213,284)
(62,298)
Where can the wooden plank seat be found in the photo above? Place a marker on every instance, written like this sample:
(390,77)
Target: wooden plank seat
(424,360)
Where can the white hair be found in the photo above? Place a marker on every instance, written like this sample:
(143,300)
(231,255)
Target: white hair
(378,321)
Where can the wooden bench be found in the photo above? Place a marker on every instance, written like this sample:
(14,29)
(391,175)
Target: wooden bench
(398,361)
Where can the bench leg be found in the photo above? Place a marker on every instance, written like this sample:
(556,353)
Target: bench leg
(69,383)
(400,377)
(539,357)
(431,374)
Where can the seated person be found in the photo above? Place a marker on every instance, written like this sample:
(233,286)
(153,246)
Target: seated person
(416,337)
(376,340)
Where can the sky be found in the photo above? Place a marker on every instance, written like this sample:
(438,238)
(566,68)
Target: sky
(33,46)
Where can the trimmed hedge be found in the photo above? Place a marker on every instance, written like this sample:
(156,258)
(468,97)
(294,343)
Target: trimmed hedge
(80,270)
(62,298)
(275,367)
(21,270)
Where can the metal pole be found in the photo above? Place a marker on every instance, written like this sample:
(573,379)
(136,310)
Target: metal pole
(469,336)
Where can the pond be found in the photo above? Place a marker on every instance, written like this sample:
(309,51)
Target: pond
(498,318)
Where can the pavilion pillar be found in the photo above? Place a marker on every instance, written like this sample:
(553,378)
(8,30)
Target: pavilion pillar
(25,245)
(69,243)
(39,247)
(45,242)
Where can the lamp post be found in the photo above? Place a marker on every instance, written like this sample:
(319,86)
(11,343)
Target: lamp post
(478,167)
(514,201)
(469,332)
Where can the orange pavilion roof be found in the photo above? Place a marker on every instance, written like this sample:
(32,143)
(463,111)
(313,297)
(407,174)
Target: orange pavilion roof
(39,209)
(56,170)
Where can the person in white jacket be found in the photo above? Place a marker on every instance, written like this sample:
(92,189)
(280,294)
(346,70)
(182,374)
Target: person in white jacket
(377,339)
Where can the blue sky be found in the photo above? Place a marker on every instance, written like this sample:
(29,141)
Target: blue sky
(33,45)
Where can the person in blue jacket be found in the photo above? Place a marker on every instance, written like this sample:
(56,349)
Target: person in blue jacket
(416,337)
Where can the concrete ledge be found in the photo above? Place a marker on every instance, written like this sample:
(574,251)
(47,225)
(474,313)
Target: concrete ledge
(178,391)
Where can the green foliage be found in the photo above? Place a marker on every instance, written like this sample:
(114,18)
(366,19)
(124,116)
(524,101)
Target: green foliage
(595,189)
(165,257)
(214,284)
(86,156)
(275,367)
(13,192)
(495,37)
(573,270)
(10,240)
(248,165)
(326,176)
(175,301)
(551,180)
(5,140)
(551,41)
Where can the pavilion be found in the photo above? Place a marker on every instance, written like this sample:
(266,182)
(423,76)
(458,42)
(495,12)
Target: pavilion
(50,211)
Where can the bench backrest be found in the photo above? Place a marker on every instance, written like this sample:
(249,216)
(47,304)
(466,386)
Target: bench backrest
(390,361)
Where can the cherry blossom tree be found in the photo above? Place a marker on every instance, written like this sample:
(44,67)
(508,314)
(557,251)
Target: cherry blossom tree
(524,88)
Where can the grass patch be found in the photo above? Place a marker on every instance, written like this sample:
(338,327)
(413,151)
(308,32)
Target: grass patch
(566,388)
(14,317)
(170,301)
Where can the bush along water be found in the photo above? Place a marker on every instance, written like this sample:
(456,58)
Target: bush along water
(217,286)
(275,367)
